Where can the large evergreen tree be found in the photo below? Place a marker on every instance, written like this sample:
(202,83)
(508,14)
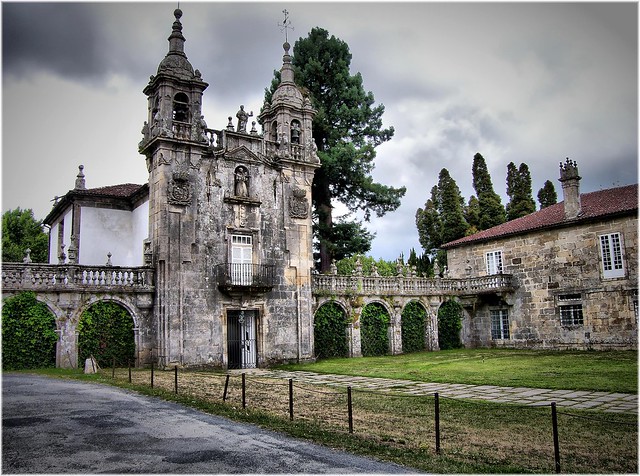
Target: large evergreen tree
(521,201)
(346,130)
(547,195)
(20,230)
(472,215)
(491,211)
(429,223)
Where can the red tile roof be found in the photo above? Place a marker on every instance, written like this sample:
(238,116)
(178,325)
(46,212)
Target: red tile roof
(123,190)
(600,204)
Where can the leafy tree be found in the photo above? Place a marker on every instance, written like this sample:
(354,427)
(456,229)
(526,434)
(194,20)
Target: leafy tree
(344,239)
(547,195)
(348,265)
(491,211)
(330,331)
(106,332)
(421,262)
(449,325)
(346,130)
(374,325)
(28,333)
(521,201)
(20,230)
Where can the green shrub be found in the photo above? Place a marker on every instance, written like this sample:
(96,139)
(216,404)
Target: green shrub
(28,333)
(449,325)
(413,327)
(106,331)
(330,332)
(374,325)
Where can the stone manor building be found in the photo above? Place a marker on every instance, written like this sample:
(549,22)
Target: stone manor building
(224,220)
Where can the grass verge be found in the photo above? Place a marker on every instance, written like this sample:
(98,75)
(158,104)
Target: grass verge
(476,437)
(607,371)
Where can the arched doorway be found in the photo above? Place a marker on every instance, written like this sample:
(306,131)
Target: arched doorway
(29,335)
(449,325)
(330,331)
(106,331)
(374,330)
(413,327)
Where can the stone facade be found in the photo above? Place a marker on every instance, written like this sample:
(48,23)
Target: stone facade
(230,229)
(564,297)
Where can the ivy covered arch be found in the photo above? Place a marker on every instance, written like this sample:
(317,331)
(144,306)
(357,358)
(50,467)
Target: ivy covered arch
(413,327)
(29,336)
(330,331)
(374,329)
(449,325)
(106,331)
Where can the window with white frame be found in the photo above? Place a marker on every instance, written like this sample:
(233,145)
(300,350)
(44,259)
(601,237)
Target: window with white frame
(570,307)
(494,262)
(499,324)
(611,256)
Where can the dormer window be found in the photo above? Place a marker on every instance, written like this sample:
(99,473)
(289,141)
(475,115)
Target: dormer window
(181,107)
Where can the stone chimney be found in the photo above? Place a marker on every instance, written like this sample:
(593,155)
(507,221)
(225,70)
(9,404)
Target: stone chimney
(570,189)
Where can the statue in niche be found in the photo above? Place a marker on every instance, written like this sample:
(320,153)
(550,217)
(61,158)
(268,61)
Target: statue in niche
(202,130)
(295,132)
(241,182)
(243,117)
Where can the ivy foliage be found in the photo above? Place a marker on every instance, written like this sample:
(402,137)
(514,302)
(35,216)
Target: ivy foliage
(330,332)
(106,331)
(449,325)
(413,327)
(374,325)
(28,333)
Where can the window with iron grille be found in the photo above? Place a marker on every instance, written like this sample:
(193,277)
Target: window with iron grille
(499,324)
(494,262)
(611,255)
(570,306)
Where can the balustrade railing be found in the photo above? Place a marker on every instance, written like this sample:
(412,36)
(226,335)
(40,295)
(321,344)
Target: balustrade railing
(30,276)
(410,285)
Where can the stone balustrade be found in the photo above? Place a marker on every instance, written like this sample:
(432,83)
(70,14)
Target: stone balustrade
(52,277)
(334,284)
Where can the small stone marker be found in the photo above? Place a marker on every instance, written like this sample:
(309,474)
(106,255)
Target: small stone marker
(90,366)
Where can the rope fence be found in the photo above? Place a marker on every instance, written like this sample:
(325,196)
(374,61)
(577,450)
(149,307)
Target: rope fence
(426,417)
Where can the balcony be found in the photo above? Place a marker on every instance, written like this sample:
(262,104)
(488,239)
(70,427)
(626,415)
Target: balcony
(243,278)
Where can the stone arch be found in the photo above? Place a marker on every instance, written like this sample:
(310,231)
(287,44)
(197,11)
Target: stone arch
(101,337)
(413,324)
(181,107)
(331,330)
(375,325)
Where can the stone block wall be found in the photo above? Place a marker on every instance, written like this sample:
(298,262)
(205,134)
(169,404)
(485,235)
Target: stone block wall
(549,266)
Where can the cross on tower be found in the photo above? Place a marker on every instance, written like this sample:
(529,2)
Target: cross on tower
(286,25)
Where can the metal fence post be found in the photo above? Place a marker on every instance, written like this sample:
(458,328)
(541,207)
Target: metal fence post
(556,443)
(151,374)
(176,379)
(113,368)
(244,386)
(226,386)
(291,399)
(350,406)
(129,371)
(437,421)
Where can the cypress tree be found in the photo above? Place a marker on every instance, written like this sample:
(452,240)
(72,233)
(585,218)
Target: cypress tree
(451,203)
(547,195)
(429,223)
(521,201)
(491,211)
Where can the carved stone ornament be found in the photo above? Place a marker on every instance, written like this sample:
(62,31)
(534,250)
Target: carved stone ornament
(298,204)
(180,189)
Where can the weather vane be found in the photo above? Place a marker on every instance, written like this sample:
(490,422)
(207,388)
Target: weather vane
(286,25)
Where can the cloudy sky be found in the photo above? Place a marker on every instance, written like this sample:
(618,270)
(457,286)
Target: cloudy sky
(517,82)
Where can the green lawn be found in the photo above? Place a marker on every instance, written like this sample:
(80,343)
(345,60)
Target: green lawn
(611,371)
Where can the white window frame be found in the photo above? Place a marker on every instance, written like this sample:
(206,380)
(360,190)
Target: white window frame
(241,259)
(500,324)
(494,262)
(612,255)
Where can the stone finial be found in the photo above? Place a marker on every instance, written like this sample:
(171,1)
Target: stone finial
(27,256)
(333,269)
(62,257)
(230,124)
(109,263)
(73,251)
(80,182)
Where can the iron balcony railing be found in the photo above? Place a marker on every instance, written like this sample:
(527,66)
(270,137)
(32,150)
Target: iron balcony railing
(245,277)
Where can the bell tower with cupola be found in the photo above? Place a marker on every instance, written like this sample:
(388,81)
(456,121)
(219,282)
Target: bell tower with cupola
(174,141)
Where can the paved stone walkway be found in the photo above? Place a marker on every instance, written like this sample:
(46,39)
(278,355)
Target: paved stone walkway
(573,399)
